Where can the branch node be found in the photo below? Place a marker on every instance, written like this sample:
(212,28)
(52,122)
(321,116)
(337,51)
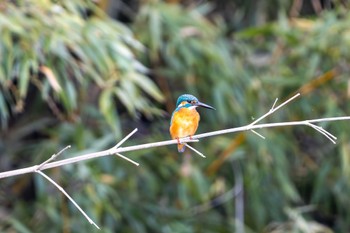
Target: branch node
(53,157)
(69,197)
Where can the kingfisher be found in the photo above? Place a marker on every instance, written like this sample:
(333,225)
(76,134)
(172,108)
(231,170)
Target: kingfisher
(185,118)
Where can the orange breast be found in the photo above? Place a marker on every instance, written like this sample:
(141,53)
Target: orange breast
(184,123)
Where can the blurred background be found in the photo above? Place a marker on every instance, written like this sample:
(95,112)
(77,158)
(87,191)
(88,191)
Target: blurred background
(86,73)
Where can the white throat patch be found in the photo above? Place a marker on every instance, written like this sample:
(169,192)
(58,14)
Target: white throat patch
(192,107)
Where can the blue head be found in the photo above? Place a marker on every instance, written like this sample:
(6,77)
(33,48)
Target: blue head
(189,101)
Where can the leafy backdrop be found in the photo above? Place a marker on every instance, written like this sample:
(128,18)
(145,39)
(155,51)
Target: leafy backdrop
(70,74)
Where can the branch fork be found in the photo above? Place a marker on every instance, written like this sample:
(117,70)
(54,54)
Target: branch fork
(37,169)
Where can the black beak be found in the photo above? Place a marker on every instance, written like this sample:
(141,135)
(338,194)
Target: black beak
(199,104)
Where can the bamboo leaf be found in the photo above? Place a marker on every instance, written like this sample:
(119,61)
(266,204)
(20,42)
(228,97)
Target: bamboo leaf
(109,110)
(24,76)
(125,98)
(4,113)
(51,78)
(146,85)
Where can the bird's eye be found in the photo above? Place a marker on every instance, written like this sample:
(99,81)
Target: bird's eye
(193,102)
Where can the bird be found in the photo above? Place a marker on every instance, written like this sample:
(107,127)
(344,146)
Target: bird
(185,118)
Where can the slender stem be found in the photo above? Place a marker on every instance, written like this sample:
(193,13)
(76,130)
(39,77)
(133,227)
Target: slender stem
(124,139)
(257,133)
(53,157)
(191,148)
(37,170)
(273,109)
(69,197)
(126,158)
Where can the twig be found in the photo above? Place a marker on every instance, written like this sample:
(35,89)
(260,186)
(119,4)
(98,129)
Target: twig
(273,109)
(69,197)
(190,147)
(124,139)
(126,158)
(257,133)
(53,157)
(327,134)
(37,170)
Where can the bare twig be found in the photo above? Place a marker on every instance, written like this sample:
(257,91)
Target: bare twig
(273,109)
(257,133)
(124,139)
(126,158)
(190,147)
(54,156)
(69,197)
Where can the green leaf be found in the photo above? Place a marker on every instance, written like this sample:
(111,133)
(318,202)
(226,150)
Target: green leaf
(4,114)
(24,76)
(109,111)
(19,226)
(146,85)
(71,94)
(156,31)
(124,97)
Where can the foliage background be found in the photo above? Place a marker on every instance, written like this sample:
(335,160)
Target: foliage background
(86,73)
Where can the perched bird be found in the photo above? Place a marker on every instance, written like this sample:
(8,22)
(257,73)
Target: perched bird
(185,118)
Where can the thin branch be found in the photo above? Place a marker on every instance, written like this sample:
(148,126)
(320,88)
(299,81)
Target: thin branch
(272,110)
(327,134)
(257,133)
(126,158)
(267,125)
(194,138)
(69,197)
(54,156)
(274,103)
(190,147)
(124,139)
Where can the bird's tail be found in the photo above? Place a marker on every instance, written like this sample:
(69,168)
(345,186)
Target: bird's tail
(181,147)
